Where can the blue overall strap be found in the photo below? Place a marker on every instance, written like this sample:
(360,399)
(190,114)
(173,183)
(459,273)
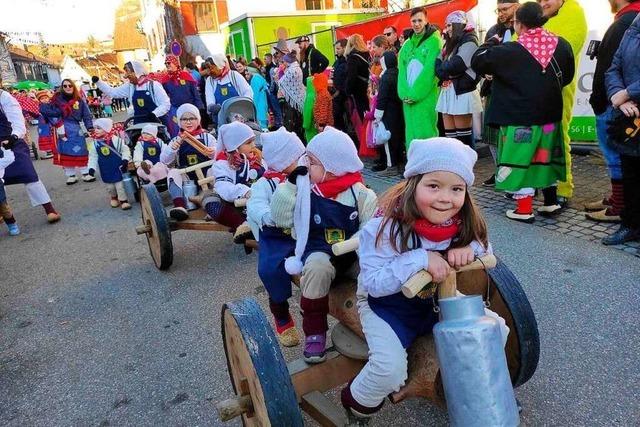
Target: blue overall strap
(114,150)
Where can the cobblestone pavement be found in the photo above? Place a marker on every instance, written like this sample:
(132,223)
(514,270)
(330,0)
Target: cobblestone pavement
(591,183)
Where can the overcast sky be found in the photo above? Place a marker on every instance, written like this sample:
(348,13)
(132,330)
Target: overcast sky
(60,21)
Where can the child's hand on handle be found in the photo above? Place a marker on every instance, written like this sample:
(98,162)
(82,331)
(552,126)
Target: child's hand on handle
(299,171)
(459,257)
(175,144)
(438,267)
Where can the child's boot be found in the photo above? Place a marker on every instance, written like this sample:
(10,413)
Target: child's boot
(114,202)
(524,210)
(243,233)
(124,205)
(315,326)
(285,327)
(357,414)
(71,180)
(179,211)
(14,230)
(52,215)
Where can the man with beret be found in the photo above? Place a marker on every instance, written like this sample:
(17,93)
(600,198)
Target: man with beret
(312,60)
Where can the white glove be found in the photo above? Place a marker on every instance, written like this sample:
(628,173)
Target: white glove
(60,131)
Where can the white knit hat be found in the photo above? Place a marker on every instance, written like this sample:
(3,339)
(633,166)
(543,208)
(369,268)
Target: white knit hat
(219,59)
(441,154)
(139,68)
(233,135)
(105,124)
(151,129)
(336,151)
(281,148)
(187,108)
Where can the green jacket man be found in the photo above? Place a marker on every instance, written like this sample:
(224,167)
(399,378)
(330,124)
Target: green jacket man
(417,82)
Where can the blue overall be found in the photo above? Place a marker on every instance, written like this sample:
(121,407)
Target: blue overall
(224,92)
(109,162)
(44,127)
(151,151)
(75,144)
(143,106)
(408,317)
(189,156)
(276,245)
(331,222)
(21,171)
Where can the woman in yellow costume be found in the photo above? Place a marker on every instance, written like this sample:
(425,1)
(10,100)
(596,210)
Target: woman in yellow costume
(567,20)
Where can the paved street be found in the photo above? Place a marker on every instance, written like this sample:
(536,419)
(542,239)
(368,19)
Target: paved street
(92,334)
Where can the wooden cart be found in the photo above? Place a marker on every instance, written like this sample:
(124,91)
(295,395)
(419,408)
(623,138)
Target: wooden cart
(268,391)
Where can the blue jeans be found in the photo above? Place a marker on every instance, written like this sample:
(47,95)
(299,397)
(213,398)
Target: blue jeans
(274,105)
(611,157)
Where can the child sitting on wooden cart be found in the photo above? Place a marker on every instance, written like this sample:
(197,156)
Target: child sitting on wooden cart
(183,155)
(146,155)
(329,203)
(281,151)
(6,158)
(110,154)
(238,165)
(428,222)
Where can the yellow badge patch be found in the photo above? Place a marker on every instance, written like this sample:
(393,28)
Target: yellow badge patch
(192,159)
(182,82)
(105,151)
(151,151)
(140,102)
(224,91)
(333,235)
(76,105)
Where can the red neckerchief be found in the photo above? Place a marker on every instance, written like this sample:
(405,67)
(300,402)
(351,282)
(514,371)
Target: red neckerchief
(540,43)
(223,73)
(108,137)
(632,7)
(270,174)
(330,189)
(195,132)
(437,233)
(174,76)
(65,106)
(237,160)
(153,141)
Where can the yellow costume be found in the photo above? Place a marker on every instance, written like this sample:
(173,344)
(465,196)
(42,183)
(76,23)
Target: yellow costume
(571,24)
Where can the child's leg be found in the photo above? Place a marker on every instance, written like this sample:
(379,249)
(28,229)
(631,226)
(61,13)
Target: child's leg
(69,172)
(38,195)
(223,212)
(174,178)
(7,216)
(386,370)
(113,194)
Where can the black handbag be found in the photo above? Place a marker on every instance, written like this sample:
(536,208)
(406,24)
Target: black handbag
(624,134)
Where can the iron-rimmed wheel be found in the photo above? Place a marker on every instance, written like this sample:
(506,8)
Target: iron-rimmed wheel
(158,232)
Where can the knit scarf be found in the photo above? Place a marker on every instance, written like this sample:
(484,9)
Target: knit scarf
(437,233)
(270,174)
(292,87)
(174,76)
(540,43)
(632,7)
(331,189)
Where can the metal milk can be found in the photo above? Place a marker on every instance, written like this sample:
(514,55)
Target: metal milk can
(473,365)
(190,189)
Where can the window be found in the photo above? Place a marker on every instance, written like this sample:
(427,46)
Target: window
(314,4)
(206,19)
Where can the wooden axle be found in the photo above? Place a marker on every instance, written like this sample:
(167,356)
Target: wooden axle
(143,229)
(234,407)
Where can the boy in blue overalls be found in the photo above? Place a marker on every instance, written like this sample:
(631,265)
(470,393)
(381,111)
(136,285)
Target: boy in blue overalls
(281,151)
(330,203)
(110,154)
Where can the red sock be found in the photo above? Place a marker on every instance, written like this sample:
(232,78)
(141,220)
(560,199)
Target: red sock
(525,205)
(179,202)
(48,208)
(617,198)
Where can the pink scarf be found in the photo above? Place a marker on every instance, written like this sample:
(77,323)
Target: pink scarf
(540,43)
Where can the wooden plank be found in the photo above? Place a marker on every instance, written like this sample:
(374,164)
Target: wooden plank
(199,225)
(324,411)
(196,167)
(334,371)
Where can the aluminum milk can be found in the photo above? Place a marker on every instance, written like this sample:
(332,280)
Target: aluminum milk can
(190,189)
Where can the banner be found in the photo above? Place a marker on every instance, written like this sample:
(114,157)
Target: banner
(436,14)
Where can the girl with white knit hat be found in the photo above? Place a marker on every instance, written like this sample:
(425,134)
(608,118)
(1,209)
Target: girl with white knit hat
(182,155)
(146,155)
(428,222)
(327,202)
(281,151)
(110,154)
(238,165)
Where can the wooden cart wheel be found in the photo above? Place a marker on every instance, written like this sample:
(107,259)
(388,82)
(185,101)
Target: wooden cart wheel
(524,322)
(258,372)
(158,233)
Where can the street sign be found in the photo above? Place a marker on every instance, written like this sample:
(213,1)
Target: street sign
(176,48)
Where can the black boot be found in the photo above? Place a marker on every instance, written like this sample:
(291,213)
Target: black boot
(623,235)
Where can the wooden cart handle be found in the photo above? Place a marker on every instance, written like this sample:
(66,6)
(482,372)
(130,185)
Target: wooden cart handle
(419,280)
(198,145)
(196,167)
(240,203)
(345,246)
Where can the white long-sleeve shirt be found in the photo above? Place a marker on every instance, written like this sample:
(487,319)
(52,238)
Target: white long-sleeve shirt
(158,94)
(383,271)
(118,144)
(238,81)
(7,158)
(226,185)
(138,151)
(13,111)
(168,155)
(259,204)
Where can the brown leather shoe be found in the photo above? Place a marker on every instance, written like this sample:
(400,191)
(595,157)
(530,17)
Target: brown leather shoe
(53,217)
(602,216)
(597,205)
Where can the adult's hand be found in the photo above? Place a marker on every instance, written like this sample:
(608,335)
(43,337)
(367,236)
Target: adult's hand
(630,109)
(619,98)
(299,171)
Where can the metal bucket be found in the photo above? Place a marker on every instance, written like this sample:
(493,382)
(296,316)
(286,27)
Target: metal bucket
(190,189)
(130,186)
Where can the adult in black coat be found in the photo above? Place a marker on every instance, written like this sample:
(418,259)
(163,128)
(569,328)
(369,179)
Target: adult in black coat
(339,85)
(312,61)
(358,59)
(389,111)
